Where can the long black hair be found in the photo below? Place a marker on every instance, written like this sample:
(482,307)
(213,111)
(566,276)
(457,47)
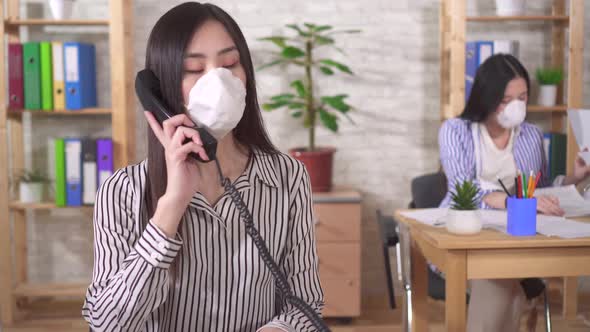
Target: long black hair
(489,85)
(164,56)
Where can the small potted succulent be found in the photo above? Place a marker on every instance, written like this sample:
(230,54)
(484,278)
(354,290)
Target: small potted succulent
(549,79)
(463,217)
(303,101)
(31,186)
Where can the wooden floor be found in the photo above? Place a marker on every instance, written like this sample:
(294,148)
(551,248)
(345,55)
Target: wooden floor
(376,318)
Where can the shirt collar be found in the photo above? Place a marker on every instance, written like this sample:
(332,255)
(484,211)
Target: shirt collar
(263,168)
(260,167)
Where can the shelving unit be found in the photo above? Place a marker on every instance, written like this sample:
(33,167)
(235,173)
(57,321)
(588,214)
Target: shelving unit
(15,288)
(453,27)
(86,111)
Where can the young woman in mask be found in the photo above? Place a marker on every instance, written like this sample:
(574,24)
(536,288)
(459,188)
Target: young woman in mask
(491,140)
(171,253)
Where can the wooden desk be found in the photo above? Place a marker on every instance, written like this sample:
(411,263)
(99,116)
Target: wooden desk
(488,255)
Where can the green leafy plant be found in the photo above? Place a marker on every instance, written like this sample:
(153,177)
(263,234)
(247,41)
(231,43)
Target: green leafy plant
(549,76)
(32,176)
(299,50)
(464,197)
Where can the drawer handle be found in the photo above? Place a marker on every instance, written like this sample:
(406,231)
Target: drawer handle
(350,282)
(316,221)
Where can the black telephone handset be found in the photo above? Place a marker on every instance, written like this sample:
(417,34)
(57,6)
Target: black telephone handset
(147,87)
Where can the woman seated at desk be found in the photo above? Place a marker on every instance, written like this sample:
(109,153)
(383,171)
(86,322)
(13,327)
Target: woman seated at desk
(491,140)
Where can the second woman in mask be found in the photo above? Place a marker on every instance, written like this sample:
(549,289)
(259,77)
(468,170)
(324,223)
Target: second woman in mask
(491,141)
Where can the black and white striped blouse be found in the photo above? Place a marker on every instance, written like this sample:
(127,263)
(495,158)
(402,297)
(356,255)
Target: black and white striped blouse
(221,282)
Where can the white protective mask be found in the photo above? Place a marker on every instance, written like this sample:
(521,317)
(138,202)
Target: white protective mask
(513,114)
(217,101)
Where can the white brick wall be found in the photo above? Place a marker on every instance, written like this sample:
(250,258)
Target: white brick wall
(396,61)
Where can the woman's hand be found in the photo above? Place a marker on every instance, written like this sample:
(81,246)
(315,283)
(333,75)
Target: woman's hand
(182,172)
(549,205)
(496,199)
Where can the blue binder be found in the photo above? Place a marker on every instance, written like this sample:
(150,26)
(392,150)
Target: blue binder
(470,67)
(80,75)
(73,150)
(476,53)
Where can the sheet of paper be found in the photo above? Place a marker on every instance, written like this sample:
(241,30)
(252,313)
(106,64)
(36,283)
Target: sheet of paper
(585,155)
(432,217)
(580,121)
(570,200)
(561,227)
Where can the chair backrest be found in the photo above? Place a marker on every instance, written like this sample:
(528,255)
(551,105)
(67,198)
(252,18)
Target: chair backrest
(387,229)
(428,190)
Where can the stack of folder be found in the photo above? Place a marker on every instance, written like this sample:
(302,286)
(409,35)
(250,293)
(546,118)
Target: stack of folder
(52,76)
(80,166)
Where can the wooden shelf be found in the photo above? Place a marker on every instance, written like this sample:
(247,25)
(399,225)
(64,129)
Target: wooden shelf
(49,22)
(545,109)
(120,114)
(51,290)
(84,111)
(550,18)
(46,206)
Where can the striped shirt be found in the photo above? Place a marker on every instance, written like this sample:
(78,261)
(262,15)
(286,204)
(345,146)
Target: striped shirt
(221,283)
(457,154)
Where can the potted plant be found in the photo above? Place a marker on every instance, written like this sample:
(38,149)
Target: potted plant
(549,79)
(463,217)
(303,102)
(61,9)
(510,7)
(31,186)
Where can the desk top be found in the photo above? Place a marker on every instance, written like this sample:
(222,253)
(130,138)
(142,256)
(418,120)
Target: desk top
(337,195)
(488,239)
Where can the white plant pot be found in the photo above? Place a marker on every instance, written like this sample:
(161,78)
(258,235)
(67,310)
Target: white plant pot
(463,222)
(31,192)
(61,9)
(547,95)
(510,7)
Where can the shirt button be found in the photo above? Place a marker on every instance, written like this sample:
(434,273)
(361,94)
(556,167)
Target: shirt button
(162,245)
(156,256)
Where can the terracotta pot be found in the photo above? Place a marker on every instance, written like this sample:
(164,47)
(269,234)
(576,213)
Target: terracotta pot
(319,166)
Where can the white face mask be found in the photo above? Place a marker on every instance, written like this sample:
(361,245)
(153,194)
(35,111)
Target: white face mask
(217,101)
(513,114)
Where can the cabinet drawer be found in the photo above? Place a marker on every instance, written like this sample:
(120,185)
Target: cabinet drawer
(337,222)
(342,297)
(339,260)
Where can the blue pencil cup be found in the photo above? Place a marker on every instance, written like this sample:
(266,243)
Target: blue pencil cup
(522,216)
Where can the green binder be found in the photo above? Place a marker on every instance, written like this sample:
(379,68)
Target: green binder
(46,77)
(32,75)
(558,151)
(60,172)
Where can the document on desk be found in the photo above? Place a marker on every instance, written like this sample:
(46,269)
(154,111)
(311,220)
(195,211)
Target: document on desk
(561,227)
(431,217)
(570,200)
(546,225)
